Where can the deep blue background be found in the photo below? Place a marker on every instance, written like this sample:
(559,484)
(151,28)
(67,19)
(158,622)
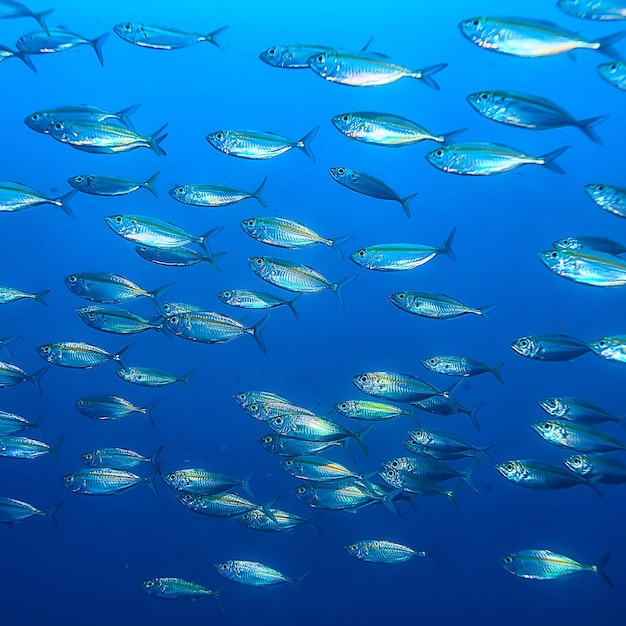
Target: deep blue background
(91,570)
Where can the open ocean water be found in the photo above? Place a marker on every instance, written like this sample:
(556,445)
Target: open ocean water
(91,569)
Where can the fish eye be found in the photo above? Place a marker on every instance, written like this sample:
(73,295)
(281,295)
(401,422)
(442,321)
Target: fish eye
(88,456)
(80,402)
(345,118)
(254,407)
(72,278)
(361,253)
(22,38)
(250,223)
(394,463)
(554,254)
(171,476)
(289,462)
(509,467)
(390,473)
(258,261)
(173,319)
(432,360)
(91,315)
(226,294)
(267,439)
(128,27)
(343,405)
(508,559)
(58,126)
(320,58)
(279,420)
(272,52)
(187,497)
(34,117)
(301,490)
(600,188)
(180,190)
(524,343)
(401,296)
(602,343)
(341,171)
(224,566)
(418,433)
(612,67)
(149,584)
(484,96)
(219,136)
(363,378)
(46,349)
(475,22)
(79,179)
(439,153)
(118,219)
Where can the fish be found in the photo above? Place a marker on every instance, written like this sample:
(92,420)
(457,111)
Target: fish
(179,256)
(531,38)
(214,195)
(613,73)
(429,469)
(148,377)
(245,398)
(283,520)
(162,38)
(40,121)
(119,458)
(288,446)
(587,267)
(5,342)
(254,574)
(610,348)
(173,308)
(250,144)
(200,481)
(98,185)
(395,386)
(11,374)
(385,129)
(296,277)
(576,436)
(369,185)
(112,319)
(12,9)
(600,468)
(316,468)
(530,111)
(550,347)
(296,55)
(486,159)
(608,197)
(540,475)
(577,410)
(12,510)
(416,485)
(263,408)
(107,288)
(394,257)
(594,9)
(20,447)
(382,551)
(10,423)
(8,53)
(286,233)
(151,231)
(461,366)
(434,305)
(445,442)
(368,69)
(58,40)
(599,244)
(17,197)
(546,565)
(212,327)
(177,589)
(104,138)
(370,411)
(79,354)
(222,505)
(104,406)
(104,481)
(10,294)
(246,299)
(440,405)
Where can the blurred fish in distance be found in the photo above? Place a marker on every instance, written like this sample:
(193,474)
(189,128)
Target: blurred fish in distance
(594,9)
(98,185)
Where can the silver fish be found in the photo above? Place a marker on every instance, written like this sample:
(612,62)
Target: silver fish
(577,410)
(17,197)
(434,305)
(179,256)
(112,319)
(347,494)
(369,185)
(200,481)
(610,348)
(600,468)
(550,347)
(10,423)
(283,520)
(177,589)
(263,408)
(316,468)
(246,299)
(97,185)
(441,441)
(254,574)
(417,485)
(288,446)
(460,366)
(79,354)
(296,55)
(368,410)
(148,377)
(57,40)
(214,196)
(539,475)
(20,447)
(110,407)
(244,398)
(576,436)
(608,197)
(11,374)
(599,244)
(12,510)
(10,294)
(586,266)
(382,551)
(11,9)
(430,469)
(41,121)
(613,73)
(395,386)
(161,38)
(108,288)
(222,505)
(8,53)
(118,458)
(104,481)
(594,9)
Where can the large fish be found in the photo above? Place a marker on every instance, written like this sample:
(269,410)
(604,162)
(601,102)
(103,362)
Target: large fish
(41,121)
(540,475)
(11,374)
(576,436)
(149,377)
(586,266)
(610,348)
(20,447)
(577,410)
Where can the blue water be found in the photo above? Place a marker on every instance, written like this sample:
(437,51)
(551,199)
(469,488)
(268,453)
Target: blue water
(90,571)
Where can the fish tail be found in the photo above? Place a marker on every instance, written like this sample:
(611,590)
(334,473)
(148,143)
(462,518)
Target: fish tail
(154,457)
(426,73)
(337,287)
(389,500)
(155,140)
(52,513)
(118,356)
(61,202)
(36,377)
(218,597)
(257,194)
(149,480)
(586,126)
(316,523)
(38,296)
(25,58)
(451,494)
(157,293)
(96,44)
(213,232)
(211,37)
(212,260)
(40,17)
(297,581)
(303,144)
(405,203)
(255,331)
(149,184)
(483,311)
(413,413)
(548,160)
(429,553)
(5,341)
(467,475)
(147,411)
(599,569)
(446,138)
(185,377)
(485,450)
(606,45)
(335,242)
(123,115)
(471,413)
(245,485)
(447,247)
(292,305)
(55,449)
(267,508)
(496,372)
(359,437)
(592,485)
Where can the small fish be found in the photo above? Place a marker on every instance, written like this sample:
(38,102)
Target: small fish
(550,347)
(295,276)
(78,354)
(5,342)
(112,319)
(586,266)
(608,197)
(118,458)
(368,69)
(577,410)
(244,398)
(41,121)
(283,520)
(546,565)
(613,73)
(97,185)
(10,294)
(161,38)
(382,551)
(416,485)
(215,196)
(486,159)
(104,138)
(57,40)
(103,481)
(431,470)
(11,374)
(460,366)
(531,38)
(10,423)
(441,441)
(201,481)
(599,244)
(288,446)
(223,505)
(296,55)
(594,9)
(539,475)
(107,288)
(147,377)
(12,510)
(177,589)
(600,468)
(11,9)
(610,348)
(8,53)
(17,197)
(254,574)
(20,447)
(576,436)
(179,256)
(529,111)
(370,411)
(110,407)
(394,257)
(384,129)
(265,408)
(316,468)
(248,144)
(347,494)
(434,305)
(369,185)
(246,299)
(395,386)
(174,308)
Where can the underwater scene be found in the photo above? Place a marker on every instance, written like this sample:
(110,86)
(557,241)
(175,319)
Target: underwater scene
(313,313)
